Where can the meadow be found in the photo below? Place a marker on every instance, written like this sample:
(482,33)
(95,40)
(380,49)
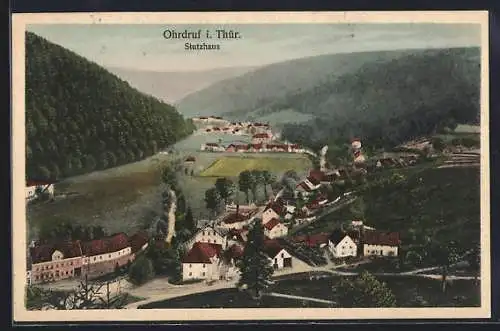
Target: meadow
(231,166)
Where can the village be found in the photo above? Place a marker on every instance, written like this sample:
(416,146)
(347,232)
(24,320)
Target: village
(213,252)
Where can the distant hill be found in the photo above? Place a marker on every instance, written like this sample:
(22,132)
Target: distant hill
(244,96)
(80,117)
(391,95)
(173,86)
(388,103)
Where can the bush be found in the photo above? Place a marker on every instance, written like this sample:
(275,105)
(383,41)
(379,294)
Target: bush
(141,271)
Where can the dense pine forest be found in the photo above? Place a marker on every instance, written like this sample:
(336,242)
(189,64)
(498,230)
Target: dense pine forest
(81,118)
(388,103)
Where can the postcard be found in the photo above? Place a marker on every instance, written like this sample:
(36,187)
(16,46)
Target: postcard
(250,166)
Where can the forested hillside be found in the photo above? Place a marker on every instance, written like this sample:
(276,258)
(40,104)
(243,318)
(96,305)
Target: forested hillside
(244,96)
(388,103)
(80,117)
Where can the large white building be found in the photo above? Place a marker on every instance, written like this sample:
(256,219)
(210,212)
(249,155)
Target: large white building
(202,262)
(210,235)
(377,243)
(342,245)
(275,229)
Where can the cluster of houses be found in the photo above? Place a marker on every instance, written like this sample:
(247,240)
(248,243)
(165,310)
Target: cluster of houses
(358,240)
(215,124)
(214,250)
(254,147)
(74,259)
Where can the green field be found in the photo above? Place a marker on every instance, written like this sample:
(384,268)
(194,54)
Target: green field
(231,166)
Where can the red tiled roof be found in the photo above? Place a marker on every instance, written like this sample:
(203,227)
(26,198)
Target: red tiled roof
(261,135)
(234,218)
(272,247)
(44,253)
(277,207)
(257,146)
(317,174)
(138,240)
(381,238)
(312,240)
(272,223)
(304,186)
(32,182)
(202,253)
(313,180)
(110,244)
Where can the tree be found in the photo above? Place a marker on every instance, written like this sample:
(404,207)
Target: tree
(365,291)
(255,180)
(444,255)
(255,267)
(190,221)
(169,177)
(212,200)
(358,208)
(268,179)
(438,144)
(225,187)
(244,183)
(141,270)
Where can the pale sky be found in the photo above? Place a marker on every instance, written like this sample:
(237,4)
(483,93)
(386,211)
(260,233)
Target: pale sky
(143,46)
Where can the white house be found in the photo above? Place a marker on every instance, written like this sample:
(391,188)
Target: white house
(107,249)
(208,234)
(275,229)
(261,138)
(43,186)
(307,186)
(342,245)
(278,256)
(268,215)
(202,262)
(377,243)
(212,147)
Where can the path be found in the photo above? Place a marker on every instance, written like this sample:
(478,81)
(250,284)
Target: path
(171,215)
(161,289)
(280,295)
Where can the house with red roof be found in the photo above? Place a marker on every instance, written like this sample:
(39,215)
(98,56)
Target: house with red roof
(139,242)
(278,256)
(236,220)
(208,234)
(275,229)
(342,244)
(103,256)
(314,240)
(35,186)
(307,186)
(260,138)
(202,261)
(53,262)
(379,243)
